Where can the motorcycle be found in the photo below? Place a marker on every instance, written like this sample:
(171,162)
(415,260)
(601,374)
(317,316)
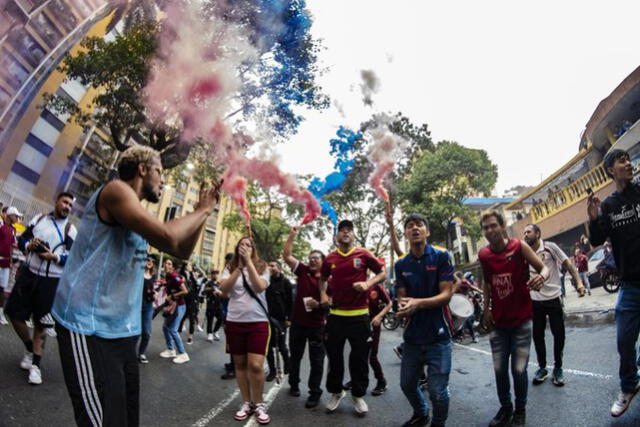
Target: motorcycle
(610,280)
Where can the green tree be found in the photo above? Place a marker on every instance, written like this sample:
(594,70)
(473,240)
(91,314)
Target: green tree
(440,180)
(271,219)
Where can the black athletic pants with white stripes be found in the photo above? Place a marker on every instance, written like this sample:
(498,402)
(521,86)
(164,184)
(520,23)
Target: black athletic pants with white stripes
(102,378)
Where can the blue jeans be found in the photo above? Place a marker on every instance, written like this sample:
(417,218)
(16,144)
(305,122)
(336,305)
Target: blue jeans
(628,328)
(147,321)
(437,357)
(584,276)
(514,344)
(170,329)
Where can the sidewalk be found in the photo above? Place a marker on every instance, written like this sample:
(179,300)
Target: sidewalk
(599,307)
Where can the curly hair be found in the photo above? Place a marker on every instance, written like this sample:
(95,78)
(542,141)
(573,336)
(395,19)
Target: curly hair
(132,157)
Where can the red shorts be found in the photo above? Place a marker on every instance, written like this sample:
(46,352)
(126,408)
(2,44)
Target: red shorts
(250,337)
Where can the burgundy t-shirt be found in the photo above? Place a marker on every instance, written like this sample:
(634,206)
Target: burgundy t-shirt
(378,299)
(7,240)
(308,286)
(173,285)
(582,263)
(345,269)
(508,273)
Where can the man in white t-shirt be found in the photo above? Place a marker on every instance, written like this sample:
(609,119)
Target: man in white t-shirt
(547,302)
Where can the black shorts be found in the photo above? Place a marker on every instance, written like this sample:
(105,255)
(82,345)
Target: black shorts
(31,295)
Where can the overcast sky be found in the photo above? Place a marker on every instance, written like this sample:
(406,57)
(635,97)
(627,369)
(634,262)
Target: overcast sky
(518,79)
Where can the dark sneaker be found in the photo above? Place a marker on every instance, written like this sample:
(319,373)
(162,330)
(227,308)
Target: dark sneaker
(271,376)
(381,387)
(540,376)
(417,420)
(312,401)
(229,375)
(503,417)
(519,418)
(347,386)
(294,391)
(558,378)
(398,351)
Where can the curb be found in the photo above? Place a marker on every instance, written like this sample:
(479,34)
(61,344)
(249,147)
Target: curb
(591,316)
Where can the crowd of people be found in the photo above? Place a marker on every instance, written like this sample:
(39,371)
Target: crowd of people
(97,289)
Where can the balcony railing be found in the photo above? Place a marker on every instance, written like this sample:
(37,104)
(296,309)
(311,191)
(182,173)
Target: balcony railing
(595,179)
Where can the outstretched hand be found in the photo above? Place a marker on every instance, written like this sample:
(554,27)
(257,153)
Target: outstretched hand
(209,197)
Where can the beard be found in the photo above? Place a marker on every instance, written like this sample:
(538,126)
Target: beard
(149,194)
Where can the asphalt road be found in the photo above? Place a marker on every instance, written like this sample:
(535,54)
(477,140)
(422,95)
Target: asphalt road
(194,395)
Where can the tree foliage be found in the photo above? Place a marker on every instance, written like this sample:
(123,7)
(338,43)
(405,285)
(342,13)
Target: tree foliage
(440,180)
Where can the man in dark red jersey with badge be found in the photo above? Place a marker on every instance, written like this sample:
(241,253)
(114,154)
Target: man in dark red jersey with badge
(508,310)
(307,321)
(344,279)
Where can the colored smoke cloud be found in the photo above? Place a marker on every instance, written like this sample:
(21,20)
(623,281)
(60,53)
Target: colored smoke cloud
(192,84)
(386,149)
(342,149)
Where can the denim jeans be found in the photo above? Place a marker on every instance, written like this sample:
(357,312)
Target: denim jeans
(514,344)
(437,357)
(170,329)
(628,328)
(584,276)
(147,321)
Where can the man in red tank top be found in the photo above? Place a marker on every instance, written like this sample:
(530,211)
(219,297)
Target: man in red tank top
(508,311)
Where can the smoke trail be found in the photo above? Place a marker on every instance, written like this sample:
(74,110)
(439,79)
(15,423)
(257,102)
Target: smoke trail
(342,149)
(387,148)
(370,85)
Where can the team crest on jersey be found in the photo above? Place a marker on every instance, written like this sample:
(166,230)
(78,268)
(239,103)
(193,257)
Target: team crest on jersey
(357,263)
(333,266)
(502,284)
(373,295)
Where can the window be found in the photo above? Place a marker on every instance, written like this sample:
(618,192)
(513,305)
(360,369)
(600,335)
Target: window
(27,47)
(46,30)
(63,13)
(15,73)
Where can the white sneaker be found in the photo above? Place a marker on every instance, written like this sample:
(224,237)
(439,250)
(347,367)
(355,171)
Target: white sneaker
(622,402)
(360,406)
(50,332)
(181,358)
(27,361)
(334,401)
(244,412)
(168,354)
(29,324)
(200,328)
(216,336)
(35,376)
(261,414)
(3,320)
(210,337)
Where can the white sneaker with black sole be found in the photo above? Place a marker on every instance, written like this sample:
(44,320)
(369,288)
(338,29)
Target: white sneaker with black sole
(334,400)
(35,376)
(360,406)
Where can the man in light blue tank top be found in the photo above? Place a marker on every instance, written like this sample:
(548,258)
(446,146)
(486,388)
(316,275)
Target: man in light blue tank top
(99,297)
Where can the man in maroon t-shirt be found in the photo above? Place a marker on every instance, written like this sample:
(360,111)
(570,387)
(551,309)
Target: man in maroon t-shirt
(344,276)
(582,264)
(508,310)
(307,321)
(7,243)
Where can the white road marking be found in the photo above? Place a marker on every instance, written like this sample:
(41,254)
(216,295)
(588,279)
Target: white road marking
(215,411)
(268,400)
(570,371)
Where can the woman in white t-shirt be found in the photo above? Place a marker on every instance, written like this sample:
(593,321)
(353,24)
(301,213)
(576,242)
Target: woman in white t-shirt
(247,325)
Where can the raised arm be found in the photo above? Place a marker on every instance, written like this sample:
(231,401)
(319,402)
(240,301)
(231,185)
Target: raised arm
(287,251)
(119,203)
(395,242)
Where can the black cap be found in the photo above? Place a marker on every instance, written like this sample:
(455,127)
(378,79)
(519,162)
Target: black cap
(345,223)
